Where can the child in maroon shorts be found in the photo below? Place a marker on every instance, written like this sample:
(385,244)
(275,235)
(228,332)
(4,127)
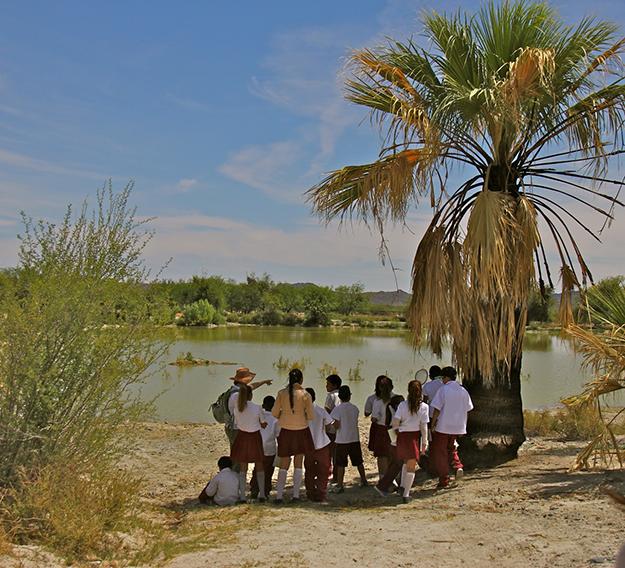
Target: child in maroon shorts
(317,463)
(345,417)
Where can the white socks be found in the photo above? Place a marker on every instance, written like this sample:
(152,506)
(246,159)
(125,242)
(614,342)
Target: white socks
(407,483)
(281,483)
(260,479)
(403,475)
(242,483)
(298,474)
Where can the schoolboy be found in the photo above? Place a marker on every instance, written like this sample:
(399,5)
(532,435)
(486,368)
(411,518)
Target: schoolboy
(269,435)
(317,464)
(451,405)
(223,489)
(333,383)
(345,417)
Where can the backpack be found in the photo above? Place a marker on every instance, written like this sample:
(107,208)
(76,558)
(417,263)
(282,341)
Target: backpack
(220,409)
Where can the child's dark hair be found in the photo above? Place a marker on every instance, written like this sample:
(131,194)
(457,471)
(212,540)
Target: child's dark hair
(449,372)
(435,371)
(223,462)
(245,394)
(295,377)
(268,402)
(392,407)
(415,396)
(311,392)
(345,393)
(334,380)
(384,387)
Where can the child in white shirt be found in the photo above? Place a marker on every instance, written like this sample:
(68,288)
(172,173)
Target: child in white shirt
(269,435)
(223,489)
(345,417)
(411,420)
(317,463)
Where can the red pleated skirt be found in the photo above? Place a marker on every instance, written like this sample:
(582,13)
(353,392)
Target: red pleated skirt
(408,445)
(295,442)
(247,447)
(379,441)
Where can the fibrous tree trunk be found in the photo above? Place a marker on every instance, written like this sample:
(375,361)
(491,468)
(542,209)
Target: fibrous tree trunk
(495,425)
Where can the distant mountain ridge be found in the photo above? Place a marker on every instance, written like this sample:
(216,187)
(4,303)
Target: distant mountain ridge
(395,298)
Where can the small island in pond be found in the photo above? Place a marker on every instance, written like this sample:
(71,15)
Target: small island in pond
(188,360)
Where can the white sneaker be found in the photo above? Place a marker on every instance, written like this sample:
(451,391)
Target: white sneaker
(459,474)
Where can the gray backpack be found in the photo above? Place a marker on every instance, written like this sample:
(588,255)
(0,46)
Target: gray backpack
(220,409)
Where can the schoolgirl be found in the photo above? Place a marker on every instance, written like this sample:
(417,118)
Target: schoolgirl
(379,441)
(294,410)
(411,420)
(248,443)
(395,465)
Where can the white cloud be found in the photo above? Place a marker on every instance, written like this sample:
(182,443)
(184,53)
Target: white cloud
(34,164)
(269,168)
(185,184)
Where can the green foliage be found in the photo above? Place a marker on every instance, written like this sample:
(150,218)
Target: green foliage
(350,299)
(606,300)
(201,312)
(569,423)
(539,308)
(68,357)
(317,305)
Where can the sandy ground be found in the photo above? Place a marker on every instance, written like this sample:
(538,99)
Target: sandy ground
(529,512)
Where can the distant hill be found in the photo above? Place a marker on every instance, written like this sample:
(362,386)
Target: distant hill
(396,298)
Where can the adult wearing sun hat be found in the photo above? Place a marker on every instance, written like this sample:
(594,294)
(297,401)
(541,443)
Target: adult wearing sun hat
(242,376)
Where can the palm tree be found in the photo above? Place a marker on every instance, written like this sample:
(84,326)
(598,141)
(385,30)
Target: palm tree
(529,111)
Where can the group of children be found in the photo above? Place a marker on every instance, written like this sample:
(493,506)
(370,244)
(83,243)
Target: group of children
(321,440)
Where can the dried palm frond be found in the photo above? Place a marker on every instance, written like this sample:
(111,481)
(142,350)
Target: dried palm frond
(569,283)
(604,354)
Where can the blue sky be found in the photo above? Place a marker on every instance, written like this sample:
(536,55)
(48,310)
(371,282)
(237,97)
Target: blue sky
(223,114)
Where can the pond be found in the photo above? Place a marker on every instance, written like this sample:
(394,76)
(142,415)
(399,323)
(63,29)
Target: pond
(551,369)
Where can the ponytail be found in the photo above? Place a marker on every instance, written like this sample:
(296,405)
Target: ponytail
(295,377)
(384,388)
(245,394)
(415,396)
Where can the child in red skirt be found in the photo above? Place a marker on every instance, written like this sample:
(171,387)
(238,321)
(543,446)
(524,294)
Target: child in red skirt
(345,417)
(395,465)
(293,409)
(248,444)
(317,463)
(379,441)
(411,420)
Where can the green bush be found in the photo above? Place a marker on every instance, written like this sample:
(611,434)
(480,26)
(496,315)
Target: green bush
(201,312)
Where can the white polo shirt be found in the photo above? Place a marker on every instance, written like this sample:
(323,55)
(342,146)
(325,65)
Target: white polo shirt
(318,427)
(332,401)
(378,411)
(453,402)
(347,414)
(409,422)
(249,420)
(430,389)
(270,433)
(369,404)
(224,487)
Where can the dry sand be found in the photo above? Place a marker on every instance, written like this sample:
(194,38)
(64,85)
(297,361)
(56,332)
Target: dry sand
(529,512)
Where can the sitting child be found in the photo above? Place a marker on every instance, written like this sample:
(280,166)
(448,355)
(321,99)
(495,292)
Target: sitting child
(223,489)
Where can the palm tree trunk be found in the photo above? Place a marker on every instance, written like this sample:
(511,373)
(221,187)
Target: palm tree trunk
(495,425)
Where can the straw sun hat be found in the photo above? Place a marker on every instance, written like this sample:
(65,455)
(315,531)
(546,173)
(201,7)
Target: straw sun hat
(243,375)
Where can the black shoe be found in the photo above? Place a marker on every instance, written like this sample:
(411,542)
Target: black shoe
(406,500)
(278,501)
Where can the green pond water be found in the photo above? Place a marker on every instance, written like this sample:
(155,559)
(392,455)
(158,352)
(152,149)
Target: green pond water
(551,369)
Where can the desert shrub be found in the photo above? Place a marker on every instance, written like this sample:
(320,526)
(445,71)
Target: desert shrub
(73,507)
(569,423)
(355,373)
(67,366)
(292,319)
